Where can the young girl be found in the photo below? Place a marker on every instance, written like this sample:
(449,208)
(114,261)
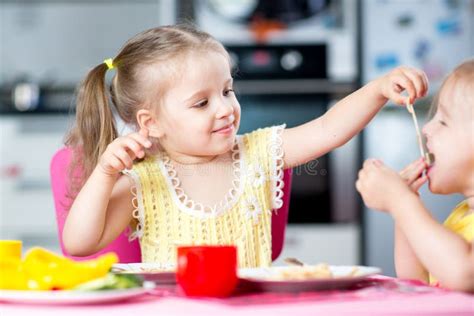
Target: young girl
(424,249)
(194,181)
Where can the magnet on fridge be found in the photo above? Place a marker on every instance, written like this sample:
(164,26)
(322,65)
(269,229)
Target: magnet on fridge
(405,20)
(452,4)
(448,27)
(385,61)
(422,49)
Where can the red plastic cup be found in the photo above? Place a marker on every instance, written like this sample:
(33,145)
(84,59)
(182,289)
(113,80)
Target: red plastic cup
(207,270)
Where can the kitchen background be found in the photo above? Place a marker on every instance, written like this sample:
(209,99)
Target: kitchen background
(295,59)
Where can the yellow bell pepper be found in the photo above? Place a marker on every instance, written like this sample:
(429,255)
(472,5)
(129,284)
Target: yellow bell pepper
(11,274)
(45,270)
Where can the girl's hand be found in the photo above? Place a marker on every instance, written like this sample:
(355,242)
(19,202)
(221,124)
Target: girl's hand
(413,174)
(121,153)
(380,186)
(412,80)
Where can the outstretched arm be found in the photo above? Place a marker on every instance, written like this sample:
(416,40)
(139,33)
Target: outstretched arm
(350,115)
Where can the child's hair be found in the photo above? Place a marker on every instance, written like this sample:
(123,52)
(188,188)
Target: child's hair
(462,74)
(135,85)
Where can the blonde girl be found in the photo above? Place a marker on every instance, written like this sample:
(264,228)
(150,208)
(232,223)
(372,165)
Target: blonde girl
(425,249)
(185,176)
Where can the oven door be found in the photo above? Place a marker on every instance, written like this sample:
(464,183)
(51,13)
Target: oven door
(323,189)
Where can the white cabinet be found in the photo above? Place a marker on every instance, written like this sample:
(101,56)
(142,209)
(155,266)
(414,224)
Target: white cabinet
(27,144)
(335,244)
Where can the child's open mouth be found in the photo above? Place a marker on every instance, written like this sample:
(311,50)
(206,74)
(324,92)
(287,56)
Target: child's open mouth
(430,160)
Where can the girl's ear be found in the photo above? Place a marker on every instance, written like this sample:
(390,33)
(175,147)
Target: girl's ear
(147,120)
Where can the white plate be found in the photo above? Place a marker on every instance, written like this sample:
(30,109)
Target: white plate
(70,297)
(155,272)
(266,278)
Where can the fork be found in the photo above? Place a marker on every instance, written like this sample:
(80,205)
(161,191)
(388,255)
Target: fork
(427,156)
(293,262)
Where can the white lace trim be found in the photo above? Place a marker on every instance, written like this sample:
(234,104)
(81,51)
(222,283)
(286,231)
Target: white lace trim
(137,202)
(276,152)
(196,209)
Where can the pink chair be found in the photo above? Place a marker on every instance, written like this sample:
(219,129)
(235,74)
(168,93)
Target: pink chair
(126,251)
(130,251)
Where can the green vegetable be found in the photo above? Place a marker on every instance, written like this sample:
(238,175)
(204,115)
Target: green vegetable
(111,282)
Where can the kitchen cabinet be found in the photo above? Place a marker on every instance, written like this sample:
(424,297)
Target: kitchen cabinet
(57,42)
(27,144)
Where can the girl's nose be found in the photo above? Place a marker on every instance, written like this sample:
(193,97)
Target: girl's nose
(225,109)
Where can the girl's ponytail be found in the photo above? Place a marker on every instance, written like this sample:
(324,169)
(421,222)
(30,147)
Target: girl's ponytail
(94,129)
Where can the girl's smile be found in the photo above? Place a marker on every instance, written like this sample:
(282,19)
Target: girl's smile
(225,130)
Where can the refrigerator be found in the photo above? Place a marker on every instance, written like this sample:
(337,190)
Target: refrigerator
(434,35)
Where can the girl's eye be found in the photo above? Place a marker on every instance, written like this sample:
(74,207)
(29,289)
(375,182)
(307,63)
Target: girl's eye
(201,104)
(228,91)
(442,123)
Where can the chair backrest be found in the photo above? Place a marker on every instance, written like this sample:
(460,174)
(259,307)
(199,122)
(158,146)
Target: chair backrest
(126,251)
(129,252)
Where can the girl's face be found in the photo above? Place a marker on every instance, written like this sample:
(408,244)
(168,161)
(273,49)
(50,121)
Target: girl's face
(200,114)
(450,137)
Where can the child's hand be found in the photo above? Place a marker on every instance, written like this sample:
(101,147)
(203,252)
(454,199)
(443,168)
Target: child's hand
(121,153)
(380,186)
(412,80)
(413,174)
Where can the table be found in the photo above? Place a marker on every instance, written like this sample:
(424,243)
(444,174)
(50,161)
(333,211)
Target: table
(375,296)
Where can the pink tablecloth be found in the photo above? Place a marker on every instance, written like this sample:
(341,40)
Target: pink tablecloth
(377,296)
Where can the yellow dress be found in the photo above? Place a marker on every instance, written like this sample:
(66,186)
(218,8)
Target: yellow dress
(461,223)
(166,217)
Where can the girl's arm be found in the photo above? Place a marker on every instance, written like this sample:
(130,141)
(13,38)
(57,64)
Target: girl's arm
(407,264)
(348,116)
(103,207)
(448,257)
(100,212)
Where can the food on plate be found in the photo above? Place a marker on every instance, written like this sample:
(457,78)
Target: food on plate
(319,271)
(142,269)
(309,272)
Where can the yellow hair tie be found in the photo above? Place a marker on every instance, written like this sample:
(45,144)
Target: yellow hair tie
(110,63)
